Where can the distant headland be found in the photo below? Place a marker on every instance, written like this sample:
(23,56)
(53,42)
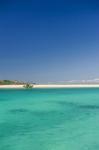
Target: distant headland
(11,82)
(15,84)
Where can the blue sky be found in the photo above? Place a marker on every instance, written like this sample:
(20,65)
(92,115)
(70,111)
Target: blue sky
(49,40)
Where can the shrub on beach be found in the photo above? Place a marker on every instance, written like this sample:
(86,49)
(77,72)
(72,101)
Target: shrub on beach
(28,86)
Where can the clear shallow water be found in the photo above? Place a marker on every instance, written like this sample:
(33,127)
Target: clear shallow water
(49,119)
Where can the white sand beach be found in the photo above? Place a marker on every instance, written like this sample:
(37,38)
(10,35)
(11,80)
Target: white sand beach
(11,86)
(66,86)
(52,86)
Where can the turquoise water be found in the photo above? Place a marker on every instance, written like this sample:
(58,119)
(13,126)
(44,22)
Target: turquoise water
(49,119)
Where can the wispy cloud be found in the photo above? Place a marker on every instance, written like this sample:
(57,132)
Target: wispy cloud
(96,80)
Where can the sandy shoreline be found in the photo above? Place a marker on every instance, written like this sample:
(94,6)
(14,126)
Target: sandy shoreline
(11,86)
(66,86)
(52,86)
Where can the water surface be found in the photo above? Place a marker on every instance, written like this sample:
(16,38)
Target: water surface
(49,119)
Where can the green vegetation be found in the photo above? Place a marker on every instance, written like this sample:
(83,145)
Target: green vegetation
(28,86)
(10,82)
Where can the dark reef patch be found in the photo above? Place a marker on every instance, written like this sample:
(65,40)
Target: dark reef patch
(92,107)
(20,110)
